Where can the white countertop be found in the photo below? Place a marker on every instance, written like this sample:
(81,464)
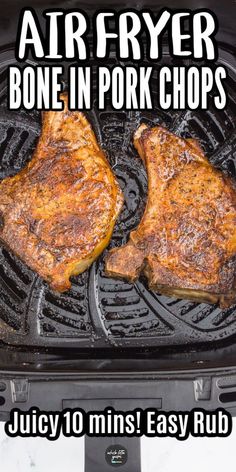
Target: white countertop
(158,454)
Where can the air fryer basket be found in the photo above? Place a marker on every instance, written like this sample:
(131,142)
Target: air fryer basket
(99,311)
(100,316)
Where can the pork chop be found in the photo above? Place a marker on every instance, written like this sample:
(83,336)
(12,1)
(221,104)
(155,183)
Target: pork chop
(185,243)
(58,213)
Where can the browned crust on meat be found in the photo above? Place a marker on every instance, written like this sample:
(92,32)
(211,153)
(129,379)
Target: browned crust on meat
(58,213)
(187,236)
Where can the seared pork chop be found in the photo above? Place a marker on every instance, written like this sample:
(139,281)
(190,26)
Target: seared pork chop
(185,243)
(58,213)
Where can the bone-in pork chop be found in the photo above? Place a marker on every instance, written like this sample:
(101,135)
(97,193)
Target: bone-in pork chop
(185,243)
(58,213)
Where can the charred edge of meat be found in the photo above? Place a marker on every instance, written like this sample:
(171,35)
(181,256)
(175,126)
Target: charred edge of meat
(1,221)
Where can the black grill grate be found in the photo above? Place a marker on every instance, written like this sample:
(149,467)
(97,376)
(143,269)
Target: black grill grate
(99,311)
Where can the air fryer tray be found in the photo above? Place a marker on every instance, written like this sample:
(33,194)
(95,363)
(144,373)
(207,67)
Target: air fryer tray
(100,311)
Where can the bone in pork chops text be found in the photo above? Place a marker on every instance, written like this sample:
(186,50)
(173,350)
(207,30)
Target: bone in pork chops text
(127,35)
